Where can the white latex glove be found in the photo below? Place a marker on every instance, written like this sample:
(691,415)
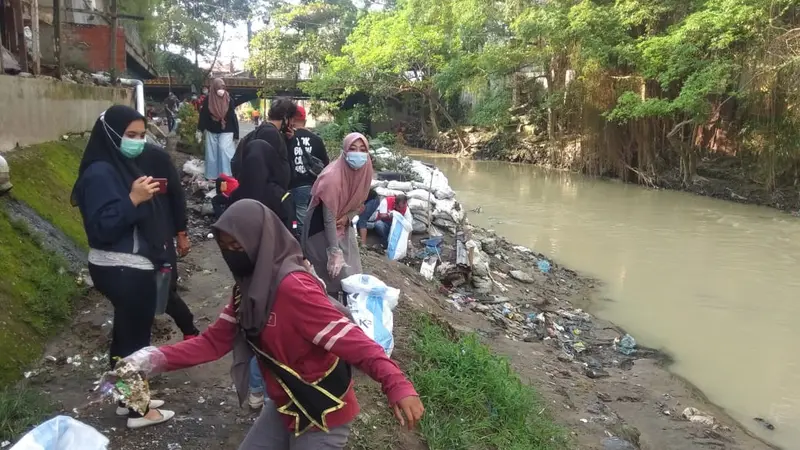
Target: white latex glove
(148,360)
(335,261)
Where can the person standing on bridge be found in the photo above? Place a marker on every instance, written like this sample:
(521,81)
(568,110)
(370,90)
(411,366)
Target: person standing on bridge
(220,126)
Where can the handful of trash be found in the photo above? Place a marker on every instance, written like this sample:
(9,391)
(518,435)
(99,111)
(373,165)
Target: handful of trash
(127,385)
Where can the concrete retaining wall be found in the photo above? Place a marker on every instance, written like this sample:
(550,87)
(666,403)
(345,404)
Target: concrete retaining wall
(33,110)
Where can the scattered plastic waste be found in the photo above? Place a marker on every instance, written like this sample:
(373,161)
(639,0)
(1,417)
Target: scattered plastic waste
(626,345)
(697,416)
(544,265)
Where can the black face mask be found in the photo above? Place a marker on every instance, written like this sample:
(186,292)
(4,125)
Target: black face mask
(238,262)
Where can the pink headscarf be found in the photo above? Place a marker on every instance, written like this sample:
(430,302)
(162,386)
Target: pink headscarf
(218,106)
(341,188)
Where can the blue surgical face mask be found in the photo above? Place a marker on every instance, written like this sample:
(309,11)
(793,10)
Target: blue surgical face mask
(356,160)
(131,148)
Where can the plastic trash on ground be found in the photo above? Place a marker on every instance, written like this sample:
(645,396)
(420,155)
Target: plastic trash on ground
(62,433)
(543,265)
(371,301)
(697,416)
(194,167)
(626,345)
(398,237)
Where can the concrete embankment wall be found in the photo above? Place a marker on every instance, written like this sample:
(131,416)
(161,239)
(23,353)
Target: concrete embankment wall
(33,111)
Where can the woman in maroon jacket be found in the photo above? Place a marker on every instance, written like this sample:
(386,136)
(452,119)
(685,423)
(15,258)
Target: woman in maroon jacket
(280,312)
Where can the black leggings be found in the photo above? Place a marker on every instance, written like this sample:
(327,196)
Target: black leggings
(133,294)
(176,307)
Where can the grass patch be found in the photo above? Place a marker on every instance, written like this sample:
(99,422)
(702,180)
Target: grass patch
(43,176)
(473,398)
(21,409)
(36,296)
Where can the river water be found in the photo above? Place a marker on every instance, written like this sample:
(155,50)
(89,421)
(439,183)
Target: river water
(714,283)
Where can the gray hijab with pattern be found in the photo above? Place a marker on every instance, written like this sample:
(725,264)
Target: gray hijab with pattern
(275,254)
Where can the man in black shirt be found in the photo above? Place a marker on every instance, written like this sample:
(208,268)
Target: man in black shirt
(308,157)
(277,130)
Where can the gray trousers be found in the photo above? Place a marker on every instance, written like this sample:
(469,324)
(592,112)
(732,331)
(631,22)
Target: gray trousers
(269,433)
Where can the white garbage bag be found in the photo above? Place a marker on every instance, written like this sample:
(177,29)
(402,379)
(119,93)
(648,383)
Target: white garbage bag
(371,301)
(398,237)
(62,433)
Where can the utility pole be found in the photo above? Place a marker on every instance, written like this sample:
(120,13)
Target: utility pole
(37,64)
(19,27)
(57,36)
(114,27)
(2,66)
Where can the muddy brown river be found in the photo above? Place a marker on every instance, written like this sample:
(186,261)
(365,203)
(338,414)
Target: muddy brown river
(714,283)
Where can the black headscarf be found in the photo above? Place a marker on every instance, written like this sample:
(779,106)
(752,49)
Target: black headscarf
(104,145)
(264,176)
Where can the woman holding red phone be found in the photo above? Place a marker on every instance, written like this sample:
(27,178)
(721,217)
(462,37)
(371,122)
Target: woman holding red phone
(126,235)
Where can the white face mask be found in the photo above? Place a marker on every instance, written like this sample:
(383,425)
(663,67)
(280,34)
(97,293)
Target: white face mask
(221,92)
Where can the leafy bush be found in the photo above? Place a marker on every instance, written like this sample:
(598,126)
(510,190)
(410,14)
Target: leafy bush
(387,138)
(492,109)
(187,129)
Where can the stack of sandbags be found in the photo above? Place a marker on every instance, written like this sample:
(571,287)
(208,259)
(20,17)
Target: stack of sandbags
(431,200)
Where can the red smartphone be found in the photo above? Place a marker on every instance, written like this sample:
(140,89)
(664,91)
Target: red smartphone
(162,185)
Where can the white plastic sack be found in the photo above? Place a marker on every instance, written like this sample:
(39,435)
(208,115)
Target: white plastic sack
(432,179)
(378,183)
(445,193)
(421,194)
(384,192)
(398,237)
(62,433)
(418,205)
(371,301)
(404,186)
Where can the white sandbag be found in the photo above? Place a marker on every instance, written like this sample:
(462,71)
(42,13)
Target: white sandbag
(421,194)
(422,216)
(194,167)
(384,192)
(62,433)
(419,227)
(445,193)
(398,237)
(378,183)
(371,301)
(418,205)
(451,207)
(434,179)
(404,186)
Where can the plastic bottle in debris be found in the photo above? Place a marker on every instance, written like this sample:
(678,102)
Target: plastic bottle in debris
(544,265)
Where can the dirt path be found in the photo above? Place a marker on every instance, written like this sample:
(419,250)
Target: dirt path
(631,401)
(208,415)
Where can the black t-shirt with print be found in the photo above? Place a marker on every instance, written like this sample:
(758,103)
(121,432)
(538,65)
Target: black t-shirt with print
(311,144)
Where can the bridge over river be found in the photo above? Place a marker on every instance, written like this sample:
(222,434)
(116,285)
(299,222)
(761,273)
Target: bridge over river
(241,89)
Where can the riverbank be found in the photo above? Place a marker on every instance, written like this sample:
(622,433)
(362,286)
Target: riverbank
(566,356)
(718,176)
